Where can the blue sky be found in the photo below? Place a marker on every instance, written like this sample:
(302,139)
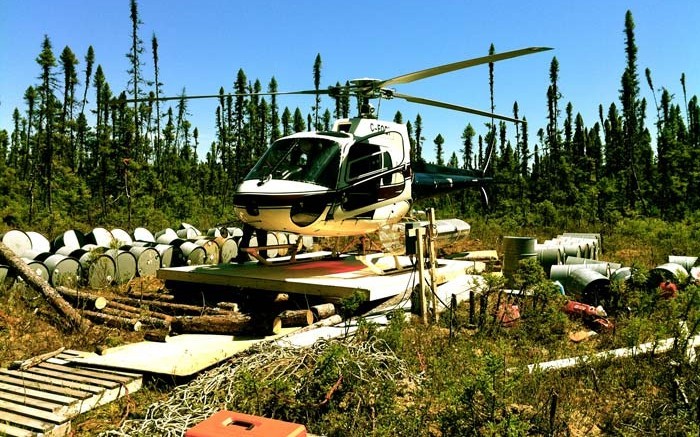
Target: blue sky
(203,44)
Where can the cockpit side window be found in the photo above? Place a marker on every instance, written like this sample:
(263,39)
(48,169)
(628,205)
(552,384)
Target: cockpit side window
(365,159)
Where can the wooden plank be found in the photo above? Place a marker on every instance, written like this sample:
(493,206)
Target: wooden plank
(31,412)
(26,422)
(42,385)
(107,376)
(64,375)
(37,394)
(13,431)
(53,407)
(51,379)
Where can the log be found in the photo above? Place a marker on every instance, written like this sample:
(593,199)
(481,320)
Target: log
(76,321)
(228,306)
(170,307)
(322,311)
(142,312)
(115,321)
(31,362)
(296,318)
(229,324)
(81,299)
(164,297)
(158,337)
(145,320)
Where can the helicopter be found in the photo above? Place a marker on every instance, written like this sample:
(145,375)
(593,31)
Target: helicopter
(357,177)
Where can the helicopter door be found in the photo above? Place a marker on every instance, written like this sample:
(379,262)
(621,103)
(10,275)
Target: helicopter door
(371,177)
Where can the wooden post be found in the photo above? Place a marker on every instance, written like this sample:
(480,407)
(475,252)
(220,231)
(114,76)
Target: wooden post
(420,256)
(433,262)
(36,282)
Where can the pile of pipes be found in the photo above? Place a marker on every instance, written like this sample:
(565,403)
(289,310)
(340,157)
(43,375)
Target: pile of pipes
(102,257)
(572,260)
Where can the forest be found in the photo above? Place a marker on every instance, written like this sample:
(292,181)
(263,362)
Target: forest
(80,154)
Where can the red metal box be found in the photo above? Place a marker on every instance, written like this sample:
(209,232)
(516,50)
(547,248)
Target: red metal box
(230,424)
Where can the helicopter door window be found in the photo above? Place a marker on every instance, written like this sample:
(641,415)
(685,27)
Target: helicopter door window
(364,159)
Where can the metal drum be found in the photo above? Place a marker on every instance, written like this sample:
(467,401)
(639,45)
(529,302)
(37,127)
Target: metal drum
(63,270)
(39,242)
(516,249)
(98,269)
(211,249)
(121,236)
(100,237)
(228,249)
(125,265)
(18,241)
(143,234)
(147,259)
(72,238)
(38,267)
(7,277)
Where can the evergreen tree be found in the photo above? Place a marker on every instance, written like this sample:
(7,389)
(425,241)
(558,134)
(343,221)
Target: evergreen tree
(317,84)
(274,111)
(418,146)
(439,141)
(468,145)
(298,124)
(46,125)
(135,64)
(68,62)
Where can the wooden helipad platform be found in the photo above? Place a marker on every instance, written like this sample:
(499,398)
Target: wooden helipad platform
(330,278)
(41,400)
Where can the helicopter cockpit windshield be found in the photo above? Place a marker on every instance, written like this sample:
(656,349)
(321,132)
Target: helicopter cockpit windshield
(310,160)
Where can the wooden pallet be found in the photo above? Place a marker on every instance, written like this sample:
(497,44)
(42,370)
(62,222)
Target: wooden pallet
(41,400)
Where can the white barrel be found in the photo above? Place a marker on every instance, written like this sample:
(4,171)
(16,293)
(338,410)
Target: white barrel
(121,236)
(228,249)
(100,236)
(143,234)
(39,242)
(192,254)
(147,260)
(18,241)
(38,267)
(98,269)
(125,265)
(211,249)
(72,238)
(63,270)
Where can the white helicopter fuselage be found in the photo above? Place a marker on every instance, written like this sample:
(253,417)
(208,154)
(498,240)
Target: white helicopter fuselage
(350,181)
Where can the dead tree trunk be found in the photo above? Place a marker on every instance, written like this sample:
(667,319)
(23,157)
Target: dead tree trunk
(37,283)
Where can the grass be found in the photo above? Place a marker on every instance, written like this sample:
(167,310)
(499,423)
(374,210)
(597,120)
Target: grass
(456,380)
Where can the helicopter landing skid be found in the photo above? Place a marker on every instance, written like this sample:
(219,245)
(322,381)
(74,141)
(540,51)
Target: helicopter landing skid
(291,249)
(371,261)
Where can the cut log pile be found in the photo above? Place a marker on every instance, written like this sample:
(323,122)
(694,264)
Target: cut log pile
(160,311)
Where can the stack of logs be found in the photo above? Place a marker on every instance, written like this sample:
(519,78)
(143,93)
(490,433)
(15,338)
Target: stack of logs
(160,311)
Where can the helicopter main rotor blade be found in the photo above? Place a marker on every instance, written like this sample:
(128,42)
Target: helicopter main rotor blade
(445,105)
(434,71)
(217,96)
